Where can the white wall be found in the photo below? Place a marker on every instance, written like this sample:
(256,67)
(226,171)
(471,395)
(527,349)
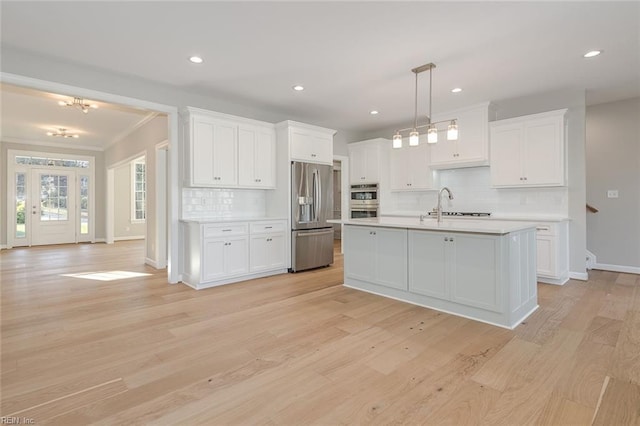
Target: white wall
(142,141)
(123,227)
(613,163)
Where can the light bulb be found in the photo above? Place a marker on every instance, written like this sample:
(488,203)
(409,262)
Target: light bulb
(414,138)
(452,131)
(397,140)
(432,134)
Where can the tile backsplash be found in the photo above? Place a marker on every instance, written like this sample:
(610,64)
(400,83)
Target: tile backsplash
(472,192)
(214,203)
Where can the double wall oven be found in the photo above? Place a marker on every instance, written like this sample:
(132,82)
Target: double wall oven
(364,201)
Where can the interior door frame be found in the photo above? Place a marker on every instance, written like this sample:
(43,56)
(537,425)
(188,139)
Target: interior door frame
(13,168)
(175,185)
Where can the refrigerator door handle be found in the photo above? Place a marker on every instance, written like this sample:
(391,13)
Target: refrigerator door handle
(317,200)
(315,234)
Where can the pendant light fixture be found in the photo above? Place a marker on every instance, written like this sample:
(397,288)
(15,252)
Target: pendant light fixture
(432,130)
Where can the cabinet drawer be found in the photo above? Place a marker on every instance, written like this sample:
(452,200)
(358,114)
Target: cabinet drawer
(267,227)
(219,230)
(545,229)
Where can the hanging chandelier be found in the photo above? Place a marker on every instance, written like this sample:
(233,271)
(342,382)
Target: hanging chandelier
(62,133)
(431,126)
(78,103)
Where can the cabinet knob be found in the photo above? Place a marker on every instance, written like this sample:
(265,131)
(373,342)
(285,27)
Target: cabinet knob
(446,239)
(525,178)
(451,239)
(313,155)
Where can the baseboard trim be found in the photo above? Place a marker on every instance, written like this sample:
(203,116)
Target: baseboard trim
(152,263)
(132,237)
(554,281)
(3,247)
(582,276)
(617,268)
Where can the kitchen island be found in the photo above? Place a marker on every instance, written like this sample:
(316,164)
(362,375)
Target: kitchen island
(483,270)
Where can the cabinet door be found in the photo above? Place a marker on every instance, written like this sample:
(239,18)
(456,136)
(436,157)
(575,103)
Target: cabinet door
(256,157)
(213,259)
(474,263)
(543,155)
(267,252)
(237,255)
(246,156)
(310,147)
(358,257)
(506,155)
(443,152)
(390,259)
(427,264)
(276,251)
(409,167)
(472,146)
(259,253)
(265,158)
(545,254)
(202,137)
(371,164)
(421,176)
(225,154)
(357,164)
(399,169)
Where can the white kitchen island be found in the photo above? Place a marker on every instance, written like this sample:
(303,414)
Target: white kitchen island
(483,270)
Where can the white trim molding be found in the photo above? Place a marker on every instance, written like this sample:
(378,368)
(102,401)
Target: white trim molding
(129,237)
(582,276)
(617,268)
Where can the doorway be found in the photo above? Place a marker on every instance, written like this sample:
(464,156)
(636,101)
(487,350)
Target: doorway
(50,198)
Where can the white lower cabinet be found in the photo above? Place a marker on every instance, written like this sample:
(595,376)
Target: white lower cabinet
(217,253)
(487,277)
(225,257)
(457,267)
(268,248)
(552,252)
(376,255)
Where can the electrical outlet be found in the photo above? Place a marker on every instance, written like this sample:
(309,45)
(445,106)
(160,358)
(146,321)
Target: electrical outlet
(612,193)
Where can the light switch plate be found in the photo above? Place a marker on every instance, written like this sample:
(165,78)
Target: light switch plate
(612,193)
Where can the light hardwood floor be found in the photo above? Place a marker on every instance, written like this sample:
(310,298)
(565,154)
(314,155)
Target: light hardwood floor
(300,349)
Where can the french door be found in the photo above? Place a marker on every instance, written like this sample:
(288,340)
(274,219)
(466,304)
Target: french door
(52,206)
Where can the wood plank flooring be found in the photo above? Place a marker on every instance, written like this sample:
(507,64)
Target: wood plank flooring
(300,349)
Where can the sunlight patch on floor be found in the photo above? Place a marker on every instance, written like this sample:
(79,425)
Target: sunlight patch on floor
(107,275)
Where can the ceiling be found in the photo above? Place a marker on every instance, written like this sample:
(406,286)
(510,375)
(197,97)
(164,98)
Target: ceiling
(351,57)
(28,115)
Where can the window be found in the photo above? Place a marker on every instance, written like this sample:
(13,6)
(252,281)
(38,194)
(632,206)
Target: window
(20,205)
(139,192)
(53,198)
(84,205)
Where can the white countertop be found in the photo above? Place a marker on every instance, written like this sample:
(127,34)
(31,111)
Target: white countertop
(494,216)
(478,226)
(231,219)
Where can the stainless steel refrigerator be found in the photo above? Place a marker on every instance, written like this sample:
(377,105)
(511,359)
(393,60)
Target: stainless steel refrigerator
(311,207)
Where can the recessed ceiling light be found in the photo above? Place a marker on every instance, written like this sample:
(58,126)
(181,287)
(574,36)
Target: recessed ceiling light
(374,112)
(456,90)
(196,59)
(298,88)
(592,53)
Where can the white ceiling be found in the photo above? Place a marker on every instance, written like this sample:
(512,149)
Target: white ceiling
(351,57)
(27,116)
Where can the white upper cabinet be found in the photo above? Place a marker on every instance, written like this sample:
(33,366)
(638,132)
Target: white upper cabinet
(364,161)
(409,167)
(529,151)
(214,152)
(311,145)
(257,153)
(472,147)
(226,151)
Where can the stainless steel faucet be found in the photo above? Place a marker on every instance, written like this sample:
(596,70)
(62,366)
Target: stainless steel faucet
(439,207)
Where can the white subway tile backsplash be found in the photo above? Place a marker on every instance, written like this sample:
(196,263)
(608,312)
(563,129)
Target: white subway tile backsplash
(216,203)
(472,191)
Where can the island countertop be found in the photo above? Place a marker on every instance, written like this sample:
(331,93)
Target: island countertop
(496,227)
